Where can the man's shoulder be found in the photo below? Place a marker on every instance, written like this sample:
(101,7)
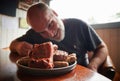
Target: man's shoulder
(31,31)
(73,20)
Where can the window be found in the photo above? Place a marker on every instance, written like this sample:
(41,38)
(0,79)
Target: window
(91,11)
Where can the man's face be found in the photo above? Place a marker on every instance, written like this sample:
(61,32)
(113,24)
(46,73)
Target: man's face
(49,26)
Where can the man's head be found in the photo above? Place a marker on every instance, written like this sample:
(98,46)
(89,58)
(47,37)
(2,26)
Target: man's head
(44,20)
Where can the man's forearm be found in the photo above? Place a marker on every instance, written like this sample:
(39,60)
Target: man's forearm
(99,57)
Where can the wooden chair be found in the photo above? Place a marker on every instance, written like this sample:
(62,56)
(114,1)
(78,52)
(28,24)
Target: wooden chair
(107,68)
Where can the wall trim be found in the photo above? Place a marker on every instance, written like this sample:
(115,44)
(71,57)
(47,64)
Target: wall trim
(106,25)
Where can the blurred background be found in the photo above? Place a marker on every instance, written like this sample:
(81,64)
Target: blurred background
(102,15)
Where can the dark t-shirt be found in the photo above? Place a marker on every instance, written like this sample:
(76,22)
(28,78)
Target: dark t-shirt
(79,38)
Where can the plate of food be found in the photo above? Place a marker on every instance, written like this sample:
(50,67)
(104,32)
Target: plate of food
(45,59)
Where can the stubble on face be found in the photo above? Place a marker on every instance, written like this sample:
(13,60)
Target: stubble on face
(60,31)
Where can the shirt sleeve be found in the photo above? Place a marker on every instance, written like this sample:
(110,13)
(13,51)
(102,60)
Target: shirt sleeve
(92,39)
(31,37)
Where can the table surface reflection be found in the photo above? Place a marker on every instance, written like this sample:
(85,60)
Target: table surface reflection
(10,72)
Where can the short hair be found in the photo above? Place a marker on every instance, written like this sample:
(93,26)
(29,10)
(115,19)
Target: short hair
(39,6)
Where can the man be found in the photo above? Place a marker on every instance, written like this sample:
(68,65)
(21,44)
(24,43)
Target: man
(71,35)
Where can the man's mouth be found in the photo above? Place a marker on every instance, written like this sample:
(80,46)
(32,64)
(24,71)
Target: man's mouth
(56,34)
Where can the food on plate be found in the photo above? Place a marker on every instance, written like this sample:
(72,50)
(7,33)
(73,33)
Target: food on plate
(60,55)
(64,56)
(63,59)
(47,56)
(71,58)
(58,64)
(44,50)
(41,56)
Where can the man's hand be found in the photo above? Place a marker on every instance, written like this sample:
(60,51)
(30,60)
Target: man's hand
(92,66)
(23,48)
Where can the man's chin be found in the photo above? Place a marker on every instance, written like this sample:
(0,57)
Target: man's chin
(58,38)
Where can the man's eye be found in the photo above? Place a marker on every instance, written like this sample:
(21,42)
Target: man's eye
(50,25)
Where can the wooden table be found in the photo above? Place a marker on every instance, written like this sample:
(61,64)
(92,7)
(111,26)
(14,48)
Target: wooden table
(9,71)
(117,76)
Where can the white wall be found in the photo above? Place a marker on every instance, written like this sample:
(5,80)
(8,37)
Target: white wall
(9,28)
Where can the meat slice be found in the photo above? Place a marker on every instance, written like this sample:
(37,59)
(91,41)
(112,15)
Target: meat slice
(44,50)
(44,63)
(42,55)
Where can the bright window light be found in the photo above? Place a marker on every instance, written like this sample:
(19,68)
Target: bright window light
(91,11)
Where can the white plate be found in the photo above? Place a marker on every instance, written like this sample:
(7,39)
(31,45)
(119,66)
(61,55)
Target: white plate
(36,71)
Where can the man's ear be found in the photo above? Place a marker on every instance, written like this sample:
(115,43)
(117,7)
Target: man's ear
(54,12)
(27,21)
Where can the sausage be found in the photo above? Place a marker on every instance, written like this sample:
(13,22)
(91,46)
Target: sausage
(60,55)
(58,64)
(62,59)
(71,58)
